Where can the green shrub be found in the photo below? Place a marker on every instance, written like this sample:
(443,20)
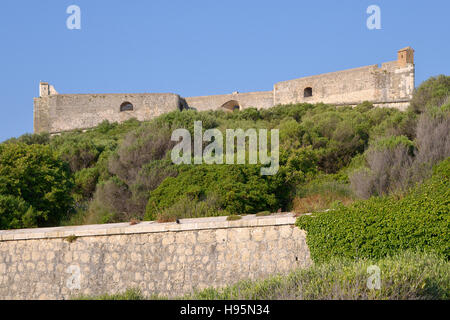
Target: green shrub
(86,181)
(238,188)
(27,138)
(71,238)
(15,213)
(111,203)
(37,175)
(79,153)
(392,142)
(188,207)
(234,217)
(395,163)
(378,227)
(431,93)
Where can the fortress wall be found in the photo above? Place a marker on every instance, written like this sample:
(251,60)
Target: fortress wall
(41,121)
(394,82)
(167,258)
(260,100)
(402,106)
(352,85)
(63,112)
(388,84)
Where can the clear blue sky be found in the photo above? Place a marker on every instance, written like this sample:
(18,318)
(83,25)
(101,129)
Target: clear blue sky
(193,47)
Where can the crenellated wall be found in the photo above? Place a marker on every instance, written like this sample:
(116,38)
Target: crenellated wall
(166,258)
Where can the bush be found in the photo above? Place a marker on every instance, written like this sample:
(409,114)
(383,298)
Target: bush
(133,170)
(85,182)
(79,153)
(395,163)
(317,202)
(36,138)
(378,227)
(433,138)
(238,188)
(321,193)
(234,217)
(111,203)
(389,163)
(138,148)
(35,174)
(192,208)
(15,213)
(148,179)
(432,93)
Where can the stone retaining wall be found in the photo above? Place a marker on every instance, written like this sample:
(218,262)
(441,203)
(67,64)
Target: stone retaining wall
(166,258)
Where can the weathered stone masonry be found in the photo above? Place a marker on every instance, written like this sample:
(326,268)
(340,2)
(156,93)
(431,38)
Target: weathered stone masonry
(165,258)
(389,85)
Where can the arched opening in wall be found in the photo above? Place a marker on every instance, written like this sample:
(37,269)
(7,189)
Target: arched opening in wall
(182,104)
(307,92)
(230,106)
(126,106)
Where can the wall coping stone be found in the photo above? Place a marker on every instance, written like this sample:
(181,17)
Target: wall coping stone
(147,227)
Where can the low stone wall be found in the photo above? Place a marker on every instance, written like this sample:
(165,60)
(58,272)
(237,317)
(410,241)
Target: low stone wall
(166,258)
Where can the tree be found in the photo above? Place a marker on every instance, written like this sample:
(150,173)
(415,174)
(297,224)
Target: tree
(16,213)
(431,93)
(38,180)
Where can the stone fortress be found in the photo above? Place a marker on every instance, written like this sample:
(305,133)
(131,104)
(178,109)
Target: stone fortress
(388,85)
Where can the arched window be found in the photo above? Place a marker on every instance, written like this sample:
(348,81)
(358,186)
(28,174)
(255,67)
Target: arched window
(231,105)
(307,92)
(126,106)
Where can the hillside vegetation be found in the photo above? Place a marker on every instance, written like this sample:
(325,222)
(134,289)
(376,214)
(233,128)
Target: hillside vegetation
(387,225)
(328,155)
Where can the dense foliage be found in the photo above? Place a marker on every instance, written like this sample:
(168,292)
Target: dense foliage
(35,186)
(328,155)
(239,189)
(433,92)
(383,226)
